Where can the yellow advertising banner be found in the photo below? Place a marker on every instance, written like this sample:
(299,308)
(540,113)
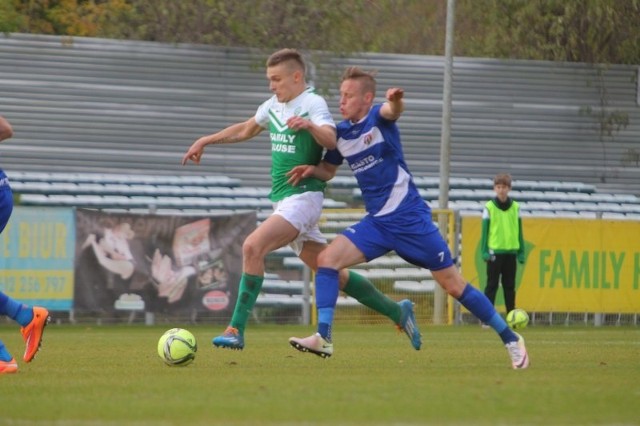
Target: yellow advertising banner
(572,265)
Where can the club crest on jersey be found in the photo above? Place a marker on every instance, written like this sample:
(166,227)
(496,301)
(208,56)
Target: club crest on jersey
(367,139)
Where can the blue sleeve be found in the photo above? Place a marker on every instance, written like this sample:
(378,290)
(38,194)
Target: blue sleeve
(375,110)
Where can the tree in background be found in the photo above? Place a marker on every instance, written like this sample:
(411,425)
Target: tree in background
(64,17)
(592,31)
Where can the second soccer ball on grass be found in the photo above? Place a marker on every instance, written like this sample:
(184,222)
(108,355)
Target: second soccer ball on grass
(517,318)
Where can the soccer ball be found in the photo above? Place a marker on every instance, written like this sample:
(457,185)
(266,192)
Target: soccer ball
(518,318)
(177,347)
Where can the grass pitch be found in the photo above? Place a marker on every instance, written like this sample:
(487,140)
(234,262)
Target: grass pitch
(112,375)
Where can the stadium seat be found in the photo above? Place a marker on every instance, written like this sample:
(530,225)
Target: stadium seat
(346,301)
(413,286)
(282,287)
(278,300)
(293,262)
(429,193)
(328,203)
(536,205)
(34,200)
(613,215)
(344,182)
(609,207)
(561,205)
(426,182)
(470,213)
(412,273)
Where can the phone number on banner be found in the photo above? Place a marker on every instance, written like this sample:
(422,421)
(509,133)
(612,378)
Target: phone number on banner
(37,284)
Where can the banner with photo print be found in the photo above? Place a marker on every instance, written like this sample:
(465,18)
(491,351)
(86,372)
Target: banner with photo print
(182,265)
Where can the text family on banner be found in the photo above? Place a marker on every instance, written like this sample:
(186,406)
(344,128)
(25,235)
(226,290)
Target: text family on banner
(572,265)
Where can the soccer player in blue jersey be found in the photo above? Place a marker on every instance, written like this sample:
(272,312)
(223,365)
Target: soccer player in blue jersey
(299,125)
(397,217)
(32,319)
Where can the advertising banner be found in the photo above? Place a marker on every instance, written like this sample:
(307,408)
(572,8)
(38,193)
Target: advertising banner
(36,257)
(161,264)
(572,265)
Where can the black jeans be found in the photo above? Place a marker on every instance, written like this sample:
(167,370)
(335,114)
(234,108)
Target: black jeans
(502,265)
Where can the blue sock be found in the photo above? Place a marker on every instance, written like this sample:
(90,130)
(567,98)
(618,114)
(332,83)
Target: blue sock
(4,355)
(17,311)
(478,304)
(327,288)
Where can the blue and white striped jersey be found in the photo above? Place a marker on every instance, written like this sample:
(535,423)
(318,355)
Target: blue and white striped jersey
(373,151)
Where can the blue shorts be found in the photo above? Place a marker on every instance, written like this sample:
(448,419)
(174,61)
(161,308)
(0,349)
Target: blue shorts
(411,233)
(6,201)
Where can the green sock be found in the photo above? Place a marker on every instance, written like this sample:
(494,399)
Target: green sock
(248,291)
(366,293)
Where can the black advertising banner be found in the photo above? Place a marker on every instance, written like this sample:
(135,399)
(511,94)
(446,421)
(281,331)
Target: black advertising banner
(174,265)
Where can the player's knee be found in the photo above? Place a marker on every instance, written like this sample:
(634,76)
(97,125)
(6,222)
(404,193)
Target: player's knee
(343,278)
(452,283)
(251,250)
(325,259)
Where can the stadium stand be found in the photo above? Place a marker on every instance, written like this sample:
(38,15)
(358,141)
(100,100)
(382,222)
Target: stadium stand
(123,118)
(155,193)
(282,293)
(536,198)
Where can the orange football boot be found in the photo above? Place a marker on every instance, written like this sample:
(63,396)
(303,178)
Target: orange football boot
(32,332)
(7,367)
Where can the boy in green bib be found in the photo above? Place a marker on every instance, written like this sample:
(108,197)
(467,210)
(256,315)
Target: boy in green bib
(502,242)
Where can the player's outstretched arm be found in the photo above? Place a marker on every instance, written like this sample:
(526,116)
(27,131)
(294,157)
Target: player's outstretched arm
(394,106)
(6,131)
(235,133)
(323,171)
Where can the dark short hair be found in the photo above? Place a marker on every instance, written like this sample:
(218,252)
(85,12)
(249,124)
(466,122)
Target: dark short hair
(502,179)
(367,78)
(287,55)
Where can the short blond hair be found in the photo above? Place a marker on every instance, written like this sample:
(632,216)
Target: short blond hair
(366,78)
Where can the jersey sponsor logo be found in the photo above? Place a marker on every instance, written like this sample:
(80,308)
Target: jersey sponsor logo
(282,142)
(279,147)
(282,137)
(365,164)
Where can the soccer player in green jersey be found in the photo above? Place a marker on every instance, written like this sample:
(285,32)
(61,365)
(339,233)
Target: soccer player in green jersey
(300,127)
